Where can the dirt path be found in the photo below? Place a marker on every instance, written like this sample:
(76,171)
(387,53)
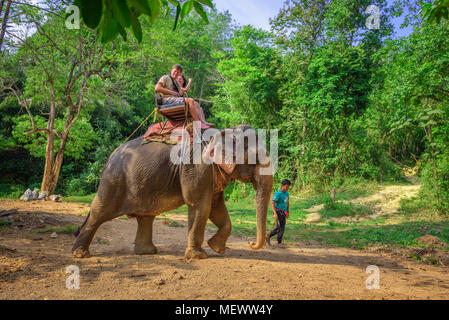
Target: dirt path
(386,201)
(33,265)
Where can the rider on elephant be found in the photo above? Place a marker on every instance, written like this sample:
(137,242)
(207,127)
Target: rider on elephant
(169,91)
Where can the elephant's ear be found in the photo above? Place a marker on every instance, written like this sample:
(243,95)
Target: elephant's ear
(215,152)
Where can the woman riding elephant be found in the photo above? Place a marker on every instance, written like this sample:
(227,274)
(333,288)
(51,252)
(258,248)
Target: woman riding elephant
(143,181)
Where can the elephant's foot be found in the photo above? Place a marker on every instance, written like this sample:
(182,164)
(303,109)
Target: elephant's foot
(217,245)
(195,253)
(145,249)
(80,253)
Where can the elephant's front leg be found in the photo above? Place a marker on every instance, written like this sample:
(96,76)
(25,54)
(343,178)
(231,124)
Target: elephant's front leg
(220,217)
(144,236)
(198,216)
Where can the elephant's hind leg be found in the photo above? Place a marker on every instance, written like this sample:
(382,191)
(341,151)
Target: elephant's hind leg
(85,235)
(220,217)
(144,236)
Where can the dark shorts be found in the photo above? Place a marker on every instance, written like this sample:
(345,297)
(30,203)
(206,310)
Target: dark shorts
(173,101)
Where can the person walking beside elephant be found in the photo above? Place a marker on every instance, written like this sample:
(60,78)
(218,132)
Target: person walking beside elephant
(281,207)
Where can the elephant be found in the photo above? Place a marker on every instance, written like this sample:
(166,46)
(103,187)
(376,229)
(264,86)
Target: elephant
(141,181)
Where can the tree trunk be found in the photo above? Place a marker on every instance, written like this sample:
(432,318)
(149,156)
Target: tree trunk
(58,164)
(47,184)
(53,167)
(5,20)
(2,2)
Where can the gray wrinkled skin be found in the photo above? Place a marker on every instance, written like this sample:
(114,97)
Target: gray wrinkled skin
(140,180)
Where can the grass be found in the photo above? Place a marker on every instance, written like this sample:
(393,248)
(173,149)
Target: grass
(362,235)
(4,223)
(172,223)
(181,209)
(80,199)
(399,230)
(342,209)
(67,229)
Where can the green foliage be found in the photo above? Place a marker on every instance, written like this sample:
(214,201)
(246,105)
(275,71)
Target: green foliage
(435,11)
(11,191)
(436,170)
(409,109)
(238,191)
(114,17)
(351,104)
(81,139)
(249,91)
(113,107)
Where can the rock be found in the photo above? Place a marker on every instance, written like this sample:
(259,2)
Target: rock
(53,235)
(42,195)
(243,284)
(27,195)
(35,193)
(55,197)
(159,282)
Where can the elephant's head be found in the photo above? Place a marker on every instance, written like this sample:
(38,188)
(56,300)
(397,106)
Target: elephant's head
(239,154)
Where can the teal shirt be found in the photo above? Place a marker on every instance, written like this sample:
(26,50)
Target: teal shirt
(281,200)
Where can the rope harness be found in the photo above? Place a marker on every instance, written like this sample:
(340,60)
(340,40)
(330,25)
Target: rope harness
(155,112)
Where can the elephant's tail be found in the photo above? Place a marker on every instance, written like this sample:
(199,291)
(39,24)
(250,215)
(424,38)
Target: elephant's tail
(77,231)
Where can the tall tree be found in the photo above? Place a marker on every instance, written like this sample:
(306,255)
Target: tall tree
(248,92)
(60,66)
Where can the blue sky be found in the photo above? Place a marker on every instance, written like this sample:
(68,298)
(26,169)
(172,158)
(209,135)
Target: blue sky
(258,12)
(255,12)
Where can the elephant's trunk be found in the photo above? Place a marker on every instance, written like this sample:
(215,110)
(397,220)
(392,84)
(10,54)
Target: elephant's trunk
(263,185)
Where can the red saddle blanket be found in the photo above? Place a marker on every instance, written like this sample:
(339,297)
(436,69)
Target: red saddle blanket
(162,132)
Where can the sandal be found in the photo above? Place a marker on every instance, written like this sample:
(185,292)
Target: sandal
(267,239)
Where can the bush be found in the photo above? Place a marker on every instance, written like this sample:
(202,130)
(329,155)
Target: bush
(237,191)
(11,191)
